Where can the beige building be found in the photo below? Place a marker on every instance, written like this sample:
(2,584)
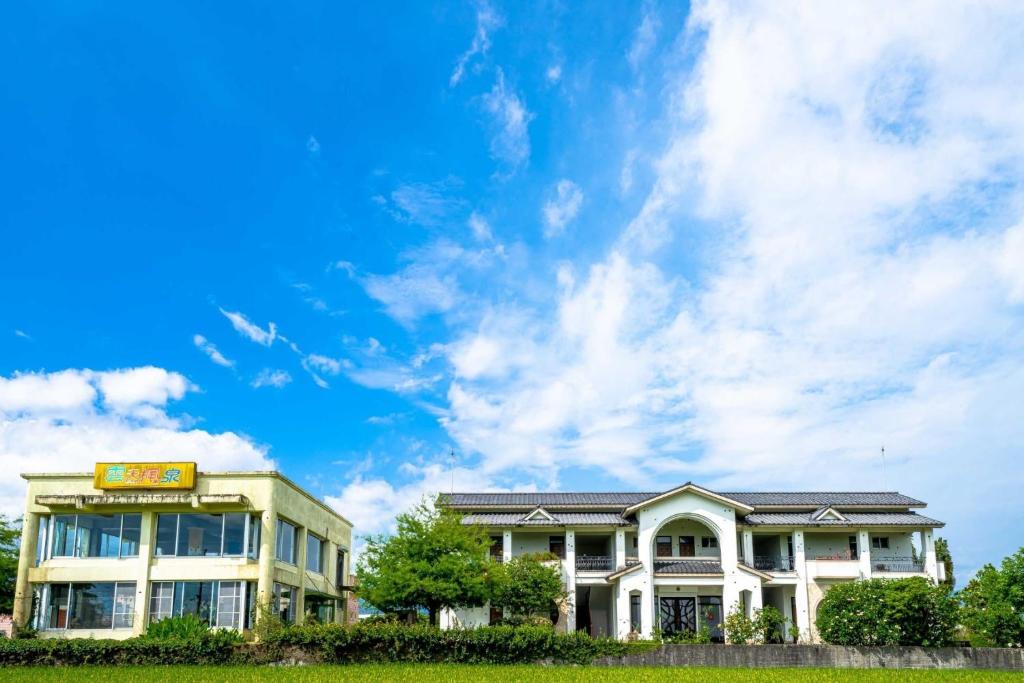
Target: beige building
(103,555)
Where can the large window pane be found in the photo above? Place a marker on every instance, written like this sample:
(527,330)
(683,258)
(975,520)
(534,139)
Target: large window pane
(199,535)
(314,554)
(131,532)
(98,535)
(254,536)
(92,605)
(234,533)
(161,601)
(199,598)
(166,534)
(229,605)
(285,541)
(44,525)
(124,605)
(63,535)
(57,610)
(284,602)
(339,571)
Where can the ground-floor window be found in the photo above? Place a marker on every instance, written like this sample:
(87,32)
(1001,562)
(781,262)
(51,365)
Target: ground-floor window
(285,602)
(711,615)
(320,608)
(109,605)
(634,613)
(686,613)
(221,604)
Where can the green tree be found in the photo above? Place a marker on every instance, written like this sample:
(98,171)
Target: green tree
(943,555)
(993,604)
(527,586)
(910,611)
(10,535)
(432,562)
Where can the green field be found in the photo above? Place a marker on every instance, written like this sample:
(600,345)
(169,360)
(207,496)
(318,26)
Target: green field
(477,673)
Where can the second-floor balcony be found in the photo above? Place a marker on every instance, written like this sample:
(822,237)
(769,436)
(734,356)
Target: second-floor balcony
(900,565)
(773,563)
(595,563)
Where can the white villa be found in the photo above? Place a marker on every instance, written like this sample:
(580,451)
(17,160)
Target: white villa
(634,562)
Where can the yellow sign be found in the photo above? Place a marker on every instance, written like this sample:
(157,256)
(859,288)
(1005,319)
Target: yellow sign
(145,475)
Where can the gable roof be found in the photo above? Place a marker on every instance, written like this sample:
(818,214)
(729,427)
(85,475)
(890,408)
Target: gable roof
(538,513)
(827,513)
(690,487)
(906,519)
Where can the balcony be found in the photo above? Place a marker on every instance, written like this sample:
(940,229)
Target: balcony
(897,565)
(773,563)
(594,563)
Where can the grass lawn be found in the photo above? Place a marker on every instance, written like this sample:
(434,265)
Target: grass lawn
(479,673)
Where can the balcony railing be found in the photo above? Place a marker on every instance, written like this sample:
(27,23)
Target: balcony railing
(594,563)
(773,563)
(906,565)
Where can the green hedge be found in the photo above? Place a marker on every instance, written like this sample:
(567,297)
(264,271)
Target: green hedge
(327,643)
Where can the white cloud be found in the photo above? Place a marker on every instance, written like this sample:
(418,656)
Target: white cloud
(208,347)
(324,364)
(553,74)
(68,420)
(313,145)
(510,142)
(430,204)
(480,227)
(487,20)
(22,334)
(644,40)
(268,377)
(562,208)
(250,330)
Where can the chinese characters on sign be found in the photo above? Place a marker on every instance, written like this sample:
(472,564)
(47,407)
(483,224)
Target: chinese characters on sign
(145,475)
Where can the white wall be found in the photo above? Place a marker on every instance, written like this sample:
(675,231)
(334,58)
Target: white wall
(689,527)
(901,544)
(826,544)
(532,542)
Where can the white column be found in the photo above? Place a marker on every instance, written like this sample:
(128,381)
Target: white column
(506,545)
(620,548)
(864,552)
(147,528)
(26,559)
(622,611)
(570,579)
(803,617)
(647,610)
(748,547)
(928,548)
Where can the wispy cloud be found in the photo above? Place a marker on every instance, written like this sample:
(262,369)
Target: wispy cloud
(644,39)
(250,330)
(23,335)
(313,145)
(562,208)
(207,347)
(268,377)
(480,228)
(510,121)
(553,74)
(428,204)
(487,20)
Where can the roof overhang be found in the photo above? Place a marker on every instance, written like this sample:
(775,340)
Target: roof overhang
(625,570)
(756,572)
(689,487)
(80,502)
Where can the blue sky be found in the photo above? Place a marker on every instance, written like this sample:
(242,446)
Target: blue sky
(596,246)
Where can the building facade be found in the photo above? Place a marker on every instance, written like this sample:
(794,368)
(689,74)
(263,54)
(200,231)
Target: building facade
(105,554)
(686,558)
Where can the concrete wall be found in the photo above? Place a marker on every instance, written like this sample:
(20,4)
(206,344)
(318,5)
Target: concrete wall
(533,541)
(824,656)
(689,527)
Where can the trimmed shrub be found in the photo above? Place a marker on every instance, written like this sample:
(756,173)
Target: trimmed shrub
(215,649)
(909,611)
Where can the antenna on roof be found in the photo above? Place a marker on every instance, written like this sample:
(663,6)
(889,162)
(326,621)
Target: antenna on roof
(885,476)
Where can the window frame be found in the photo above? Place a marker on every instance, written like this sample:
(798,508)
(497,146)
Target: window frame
(294,544)
(240,600)
(710,542)
(42,621)
(880,543)
(321,567)
(50,535)
(659,542)
(555,541)
(247,528)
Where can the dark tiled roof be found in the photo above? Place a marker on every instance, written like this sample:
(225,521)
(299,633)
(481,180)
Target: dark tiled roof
(816,499)
(689,566)
(852,519)
(560,519)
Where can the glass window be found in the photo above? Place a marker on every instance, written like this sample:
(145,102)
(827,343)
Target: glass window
(250,604)
(57,610)
(708,542)
(686,547)
(556,546)
(63,535)
(285,597)
(161,601)
(314,554)
(199,535)
(124,605)
(41,540)
(254,536)
(634,613)
(234,533)
(98,536)
(229,605)
(92,605)
(198,598)
(285,541)
(880,542)
(131,533)
(663,546)
(166,534)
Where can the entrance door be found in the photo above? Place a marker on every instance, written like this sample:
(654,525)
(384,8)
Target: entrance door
(686,546)
(678,614)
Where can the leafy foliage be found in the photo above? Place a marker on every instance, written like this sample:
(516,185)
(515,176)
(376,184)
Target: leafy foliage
(10,535)
(432,562)
(943,555)
(909,611)
(526,586)
(217,647)
(993,604)
(186,626)
(738,627)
